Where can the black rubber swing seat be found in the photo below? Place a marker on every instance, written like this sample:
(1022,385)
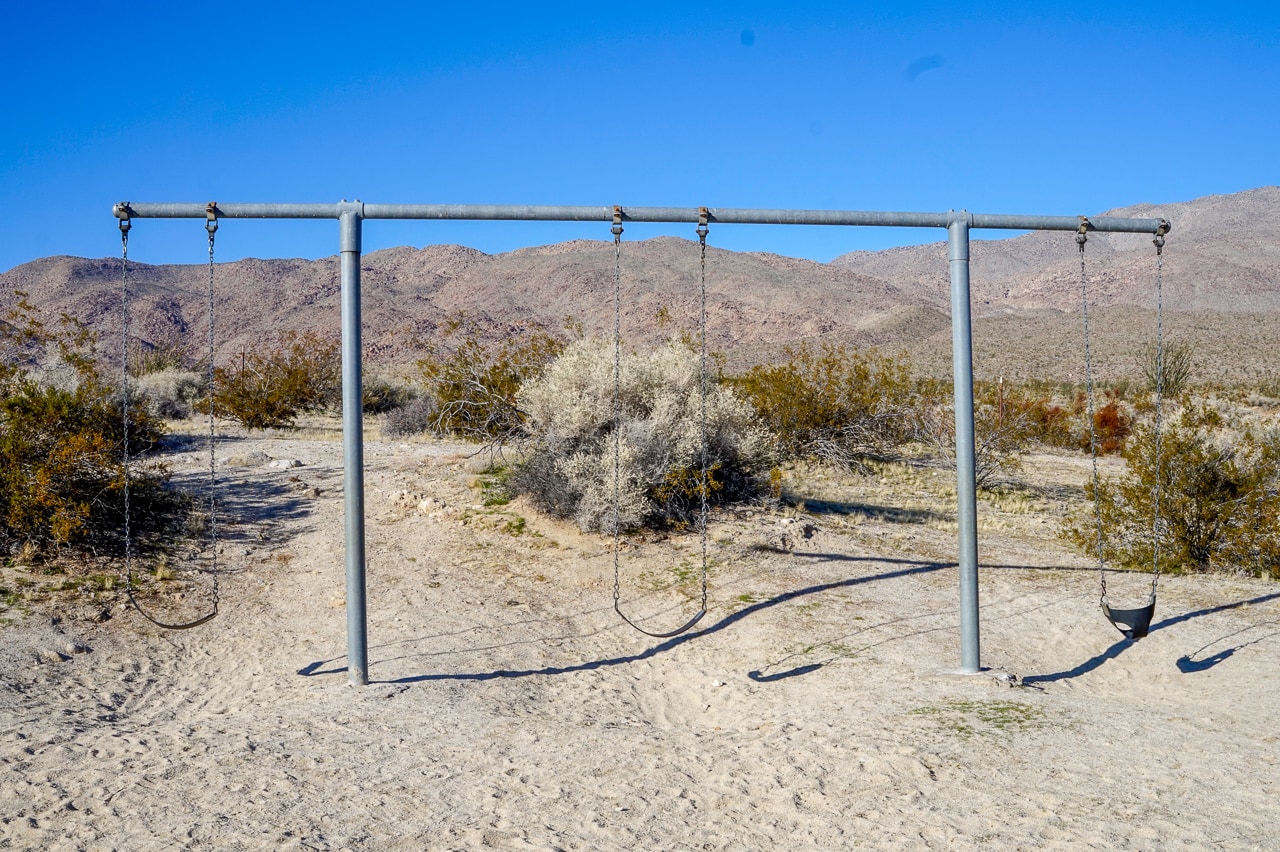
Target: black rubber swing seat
(1133,623)
(688,625)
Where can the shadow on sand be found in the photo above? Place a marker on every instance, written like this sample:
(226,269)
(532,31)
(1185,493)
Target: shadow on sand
(321,667)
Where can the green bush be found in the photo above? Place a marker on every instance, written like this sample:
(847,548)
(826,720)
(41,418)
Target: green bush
(567,459)
(1219,499)
(299,373)
(833,404)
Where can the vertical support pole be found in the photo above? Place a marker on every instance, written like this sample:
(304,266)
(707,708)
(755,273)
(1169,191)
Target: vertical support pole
(350,218)
(966,483)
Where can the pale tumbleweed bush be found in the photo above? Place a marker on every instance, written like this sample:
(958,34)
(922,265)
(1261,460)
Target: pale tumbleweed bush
(567,464)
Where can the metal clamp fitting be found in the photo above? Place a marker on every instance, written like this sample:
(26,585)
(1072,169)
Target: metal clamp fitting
(703,216)
(1082,233)
(211,217)
(1162,229)
(617,221)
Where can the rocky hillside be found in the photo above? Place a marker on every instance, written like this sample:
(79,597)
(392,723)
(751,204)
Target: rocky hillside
(1222,258)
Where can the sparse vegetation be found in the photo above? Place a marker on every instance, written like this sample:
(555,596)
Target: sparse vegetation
(833,403)
(1170,367)
(567,465)
(61,464)
(472,383)
(299,373)
(1219,504)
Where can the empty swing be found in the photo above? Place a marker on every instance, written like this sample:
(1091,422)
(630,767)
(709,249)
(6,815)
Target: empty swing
(211,226)
(1133,623)
(703,216)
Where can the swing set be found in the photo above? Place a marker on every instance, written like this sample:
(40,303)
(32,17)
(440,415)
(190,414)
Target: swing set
(1134,623)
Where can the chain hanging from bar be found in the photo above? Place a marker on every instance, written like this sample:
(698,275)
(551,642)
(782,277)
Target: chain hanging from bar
(211,226)
(1133,623)
(702,230)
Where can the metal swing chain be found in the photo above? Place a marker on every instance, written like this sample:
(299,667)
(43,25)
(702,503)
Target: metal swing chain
(1082,237)
(702,391)
(617,405)
(211,225)
(1155,488)
(125,225)
(617,426)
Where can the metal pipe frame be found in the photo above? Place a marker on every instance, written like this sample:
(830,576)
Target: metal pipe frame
(351,215)
(551,213)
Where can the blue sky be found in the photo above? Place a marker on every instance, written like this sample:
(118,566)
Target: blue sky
(1000,108)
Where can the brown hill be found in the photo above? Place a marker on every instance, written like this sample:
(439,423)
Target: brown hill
(754,299)
(1222,256)
(1222,277)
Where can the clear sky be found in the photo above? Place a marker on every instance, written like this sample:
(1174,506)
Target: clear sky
(1032,108)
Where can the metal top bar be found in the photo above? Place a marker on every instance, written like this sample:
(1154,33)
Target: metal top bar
(733,216)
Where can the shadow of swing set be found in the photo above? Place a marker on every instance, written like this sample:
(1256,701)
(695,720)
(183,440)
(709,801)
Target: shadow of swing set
(1134,622)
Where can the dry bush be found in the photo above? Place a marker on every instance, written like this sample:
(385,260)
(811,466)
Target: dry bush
(998,445)
(567,465)
(1219,498)
(473,383)
(61,465)
(382,396)
(1112,425)
(171,394)
(833,404)
(1168,367)
(299,373)
(413,418)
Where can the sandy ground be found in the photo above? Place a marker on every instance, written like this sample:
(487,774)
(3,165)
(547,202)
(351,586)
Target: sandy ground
(511,709)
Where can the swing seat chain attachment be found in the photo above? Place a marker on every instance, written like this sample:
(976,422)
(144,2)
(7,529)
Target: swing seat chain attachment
(702,231)
(1135,623)
(123,212)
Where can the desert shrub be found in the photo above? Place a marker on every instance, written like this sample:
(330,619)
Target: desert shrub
(171,394)
(1173,371)
(146,358)
(567,459)
(1046,422)
(473,382)
(413,418)
(299,373)
(1219,499)
(1112,424)
(833,403)
(999,439)
(61,466)
(380,396)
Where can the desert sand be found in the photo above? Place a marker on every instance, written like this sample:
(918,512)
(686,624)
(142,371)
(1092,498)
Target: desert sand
(510,708)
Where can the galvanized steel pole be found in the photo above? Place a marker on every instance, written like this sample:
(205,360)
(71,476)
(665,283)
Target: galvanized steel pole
(353,445)
(966,466)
